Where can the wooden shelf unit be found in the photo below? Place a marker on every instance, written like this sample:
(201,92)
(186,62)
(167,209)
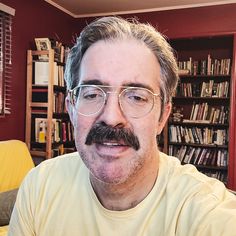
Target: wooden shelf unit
(47,107)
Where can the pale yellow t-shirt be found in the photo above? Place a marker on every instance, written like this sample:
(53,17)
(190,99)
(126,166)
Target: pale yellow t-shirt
(56,199)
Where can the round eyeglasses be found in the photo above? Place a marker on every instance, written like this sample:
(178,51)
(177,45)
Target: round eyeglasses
(134,102)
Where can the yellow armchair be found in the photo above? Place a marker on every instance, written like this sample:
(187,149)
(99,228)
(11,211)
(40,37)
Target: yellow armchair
(15,162)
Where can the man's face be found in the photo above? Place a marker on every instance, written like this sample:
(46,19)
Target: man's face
(119,63)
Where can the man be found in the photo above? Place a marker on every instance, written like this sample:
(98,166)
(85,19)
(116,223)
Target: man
(120,76)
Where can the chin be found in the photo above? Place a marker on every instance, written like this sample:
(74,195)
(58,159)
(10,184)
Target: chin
(115,173)
(112,169)
(110,174)
(110,180)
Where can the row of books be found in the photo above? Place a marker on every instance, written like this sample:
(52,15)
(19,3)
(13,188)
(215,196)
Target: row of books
(200,156)
(40,94)
(222,176)
(60,51)
(211,89)
(42,72)
(204,89)
(62,131)
(195,135)
(207,66)
(204,113)
(201,113)
(59,102)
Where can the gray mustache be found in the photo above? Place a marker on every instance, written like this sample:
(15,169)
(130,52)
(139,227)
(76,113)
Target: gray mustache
(102,132)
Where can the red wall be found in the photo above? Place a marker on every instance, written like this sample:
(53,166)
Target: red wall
(40,19)
(194,21)
(189,22)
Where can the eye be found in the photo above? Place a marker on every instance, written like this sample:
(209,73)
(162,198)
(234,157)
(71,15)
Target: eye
(136,97)
(90,94)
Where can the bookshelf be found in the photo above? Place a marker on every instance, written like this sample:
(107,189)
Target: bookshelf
(48,131)
(201,128)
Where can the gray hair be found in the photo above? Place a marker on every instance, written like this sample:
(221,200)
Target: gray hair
(112,28)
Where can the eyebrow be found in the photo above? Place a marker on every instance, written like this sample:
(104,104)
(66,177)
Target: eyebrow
(92,82)
(98,82)
(139,85)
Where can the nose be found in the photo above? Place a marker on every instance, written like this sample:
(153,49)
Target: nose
(112,114)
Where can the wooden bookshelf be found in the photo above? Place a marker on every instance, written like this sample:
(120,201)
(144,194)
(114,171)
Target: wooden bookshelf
(207,84)
(45,108)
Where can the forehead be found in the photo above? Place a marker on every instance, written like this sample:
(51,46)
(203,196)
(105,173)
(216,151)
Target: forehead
(120,62)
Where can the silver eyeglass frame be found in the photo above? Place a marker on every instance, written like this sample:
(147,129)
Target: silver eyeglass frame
(73,99)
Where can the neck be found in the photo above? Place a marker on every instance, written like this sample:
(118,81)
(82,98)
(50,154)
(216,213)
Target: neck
(127,195)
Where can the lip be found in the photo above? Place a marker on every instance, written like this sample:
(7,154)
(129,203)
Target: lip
(111,149)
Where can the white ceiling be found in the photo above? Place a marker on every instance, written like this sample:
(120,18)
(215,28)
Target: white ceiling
(88,8)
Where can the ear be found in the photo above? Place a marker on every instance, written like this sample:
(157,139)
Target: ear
(70,109)
(164,118)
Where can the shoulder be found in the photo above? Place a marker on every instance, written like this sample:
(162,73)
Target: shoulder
(54,177)
(186,174)
(49,188)
(186,181)
(203,201)
(59,169)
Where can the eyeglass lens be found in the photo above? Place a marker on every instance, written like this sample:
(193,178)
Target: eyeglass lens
(134,102)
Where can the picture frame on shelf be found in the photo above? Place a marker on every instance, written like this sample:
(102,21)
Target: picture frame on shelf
(43,44)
